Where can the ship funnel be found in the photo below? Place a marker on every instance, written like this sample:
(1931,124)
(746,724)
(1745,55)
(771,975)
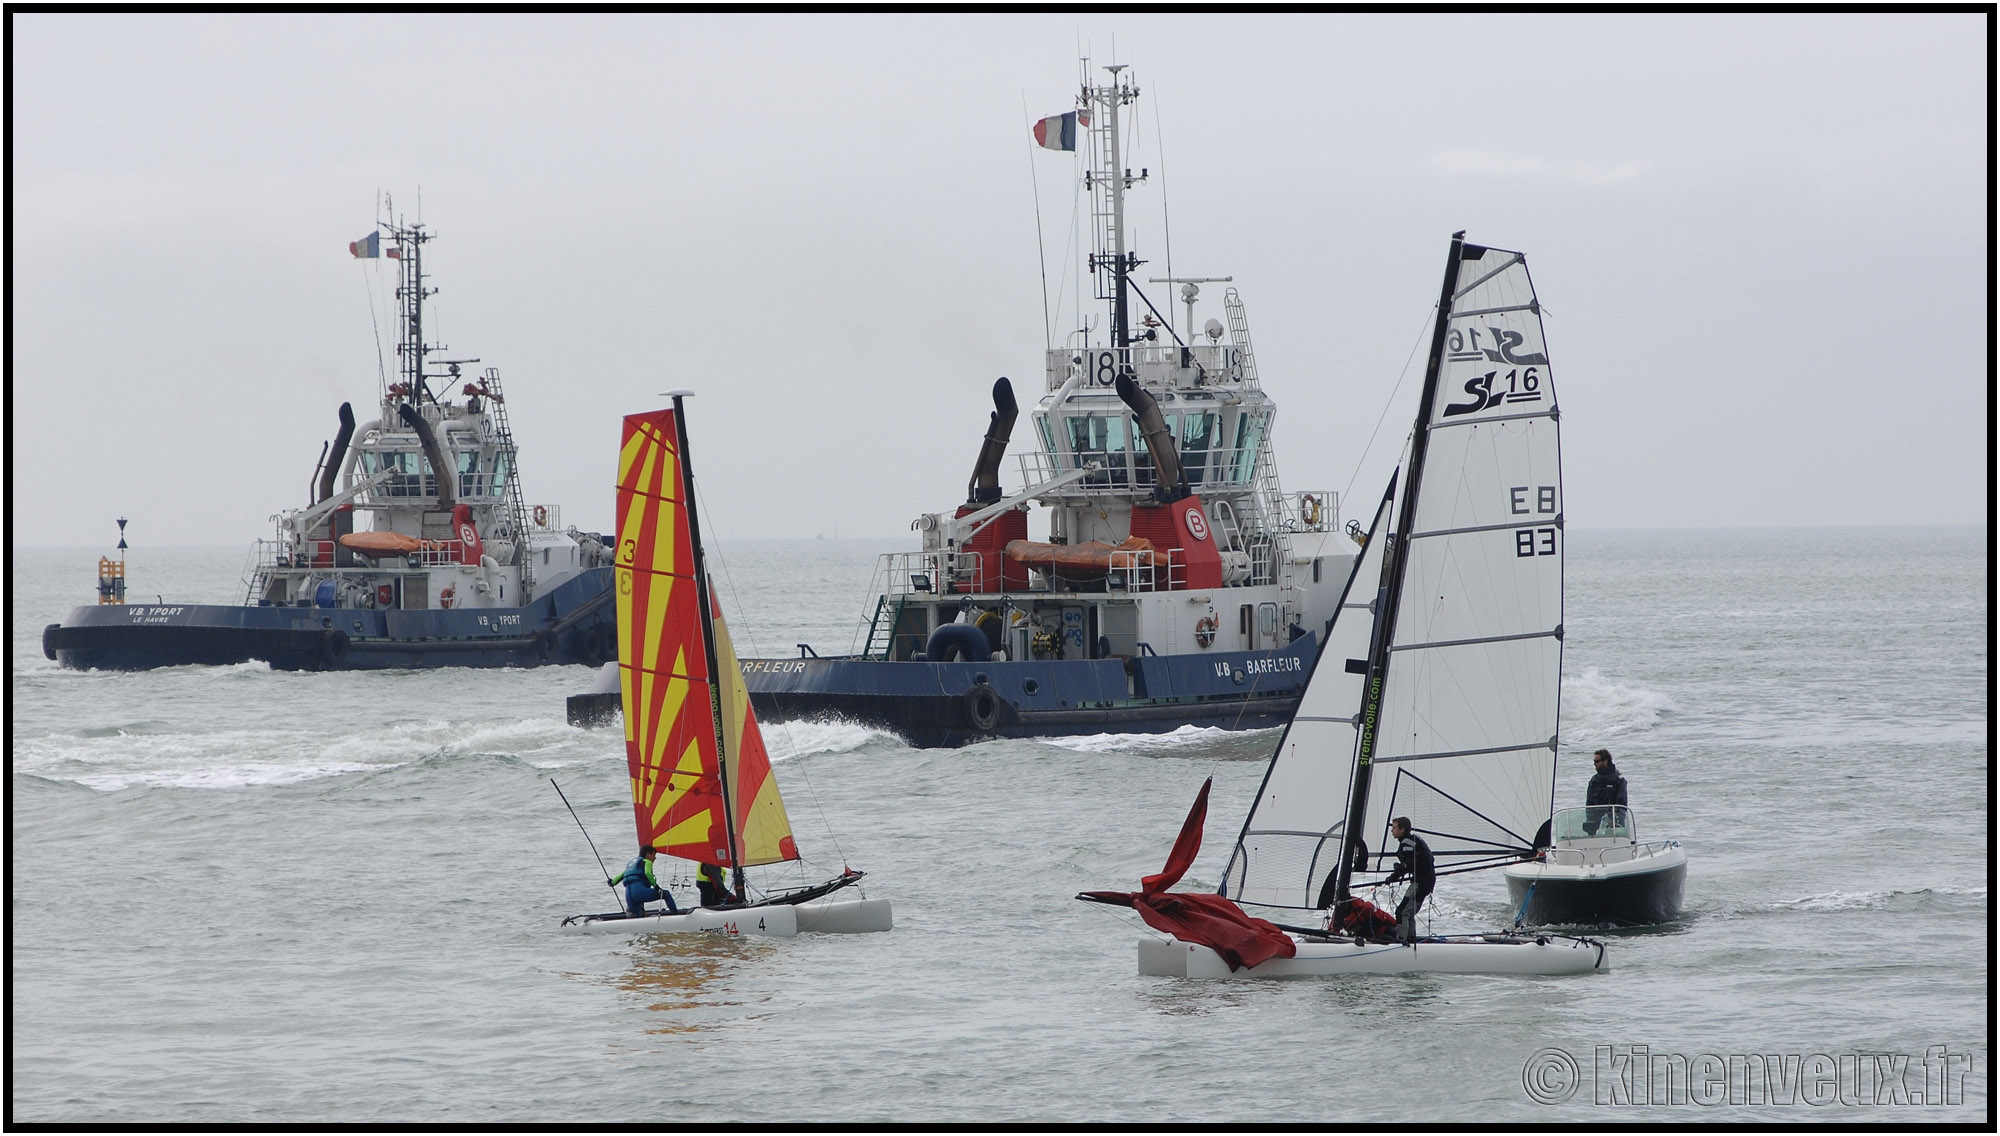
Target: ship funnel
(441,470)
(985,484)
(1159,441)
(338,452)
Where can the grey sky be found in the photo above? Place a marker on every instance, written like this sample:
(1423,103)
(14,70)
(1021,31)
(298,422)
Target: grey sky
(1761,241)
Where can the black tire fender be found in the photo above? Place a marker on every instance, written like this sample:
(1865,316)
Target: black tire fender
(589,646)
(982,707)
(49,641)
(333,645)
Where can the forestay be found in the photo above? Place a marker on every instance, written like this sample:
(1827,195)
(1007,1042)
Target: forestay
(1468,719)
(676,755)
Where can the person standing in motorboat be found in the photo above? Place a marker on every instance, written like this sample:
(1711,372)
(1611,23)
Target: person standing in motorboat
(642,886)
(1607,787)
(1414,861)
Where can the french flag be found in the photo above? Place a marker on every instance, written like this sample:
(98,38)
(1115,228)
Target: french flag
(368,246)
(1058,131)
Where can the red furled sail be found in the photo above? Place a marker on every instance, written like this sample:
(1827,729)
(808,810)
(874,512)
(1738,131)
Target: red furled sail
(1201,917)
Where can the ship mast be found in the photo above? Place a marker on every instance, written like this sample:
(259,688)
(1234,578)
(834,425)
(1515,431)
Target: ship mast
(1108,179)
(410,293)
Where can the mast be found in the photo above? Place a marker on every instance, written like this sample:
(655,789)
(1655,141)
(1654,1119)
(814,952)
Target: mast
(1389,594)
(410,293)
(1109,181)
(708,639)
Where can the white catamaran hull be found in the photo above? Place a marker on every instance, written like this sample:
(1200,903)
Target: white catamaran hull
(844,916)
(1172,958)
(780,922)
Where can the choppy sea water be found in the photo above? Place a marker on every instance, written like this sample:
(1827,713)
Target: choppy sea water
(239,895)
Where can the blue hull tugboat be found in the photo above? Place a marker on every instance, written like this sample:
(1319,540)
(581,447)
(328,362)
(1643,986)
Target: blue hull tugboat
(453,568)
(1180,584)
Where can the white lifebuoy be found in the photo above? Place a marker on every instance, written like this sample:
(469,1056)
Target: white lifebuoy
(1205,628)
(1309,510)
(445,597)
(541,516)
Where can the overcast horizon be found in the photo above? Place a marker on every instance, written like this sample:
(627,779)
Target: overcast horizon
(1761,241)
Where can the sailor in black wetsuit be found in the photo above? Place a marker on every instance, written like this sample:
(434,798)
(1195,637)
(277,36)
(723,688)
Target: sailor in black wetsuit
(1414,860)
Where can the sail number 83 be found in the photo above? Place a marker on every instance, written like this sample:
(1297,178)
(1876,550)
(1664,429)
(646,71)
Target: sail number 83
(1534,541)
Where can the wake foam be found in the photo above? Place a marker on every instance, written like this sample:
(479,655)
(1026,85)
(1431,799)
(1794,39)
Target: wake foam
(1179,739)
(786,740)
(1594,706)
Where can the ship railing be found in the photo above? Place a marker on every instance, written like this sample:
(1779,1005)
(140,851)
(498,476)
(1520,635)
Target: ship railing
(1313,510)
(1124,474)
(1158,363)
(270,555)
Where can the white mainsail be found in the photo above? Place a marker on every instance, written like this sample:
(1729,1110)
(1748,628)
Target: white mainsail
(1466,744)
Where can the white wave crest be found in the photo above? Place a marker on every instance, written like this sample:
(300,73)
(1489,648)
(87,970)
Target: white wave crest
(1184,737)
(1594,706)
(786,740)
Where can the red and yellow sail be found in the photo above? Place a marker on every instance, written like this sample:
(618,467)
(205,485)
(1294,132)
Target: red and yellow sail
(670,701)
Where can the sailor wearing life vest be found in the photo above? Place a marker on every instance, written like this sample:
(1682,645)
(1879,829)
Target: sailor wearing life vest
(1414,860)
(708,881)
(641,886)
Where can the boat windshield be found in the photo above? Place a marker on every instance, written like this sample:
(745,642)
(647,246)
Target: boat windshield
(1595,822)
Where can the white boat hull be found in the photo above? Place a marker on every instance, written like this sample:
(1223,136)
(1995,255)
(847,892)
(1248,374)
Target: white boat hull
(779,922)
(842,916)
(1172,958)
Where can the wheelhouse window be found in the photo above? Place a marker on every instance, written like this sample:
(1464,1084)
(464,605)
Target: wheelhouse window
(1102,438)
(1249,440)
(1196,430)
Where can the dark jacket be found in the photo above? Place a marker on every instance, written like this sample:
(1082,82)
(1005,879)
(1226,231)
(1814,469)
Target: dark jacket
(1414,859)
(1607,786)
(714,893)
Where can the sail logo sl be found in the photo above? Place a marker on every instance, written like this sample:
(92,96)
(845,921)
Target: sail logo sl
(1491,389)
(1505,340)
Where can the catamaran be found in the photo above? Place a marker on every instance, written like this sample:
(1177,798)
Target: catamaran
(1436,695)
(702,785)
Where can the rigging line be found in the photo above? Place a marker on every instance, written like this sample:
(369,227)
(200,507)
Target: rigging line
(1166,228)
(785,727)
(1386,405)
(1041,251)
(585,831)
(381,365)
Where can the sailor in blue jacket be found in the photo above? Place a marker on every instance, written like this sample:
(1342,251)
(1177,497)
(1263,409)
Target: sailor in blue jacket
(642,886)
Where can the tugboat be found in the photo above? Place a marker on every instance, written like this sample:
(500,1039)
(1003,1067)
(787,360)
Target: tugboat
(453,568)
(1180,584)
